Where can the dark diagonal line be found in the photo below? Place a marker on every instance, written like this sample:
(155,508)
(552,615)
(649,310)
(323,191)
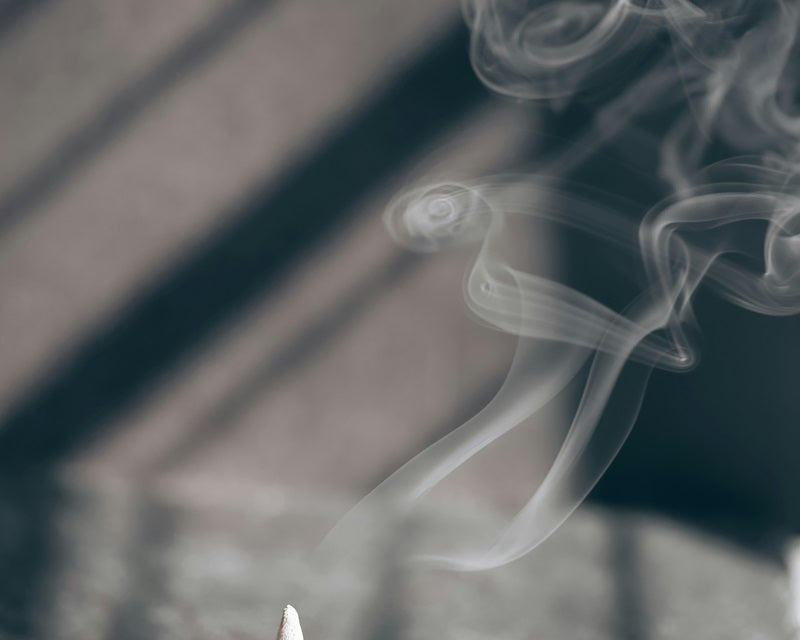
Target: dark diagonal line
(214,283)
(224,416)
(72,153)
(12,11)
(221,419)
(308,342)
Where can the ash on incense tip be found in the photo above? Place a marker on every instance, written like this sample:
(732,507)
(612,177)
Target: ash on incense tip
(289,628)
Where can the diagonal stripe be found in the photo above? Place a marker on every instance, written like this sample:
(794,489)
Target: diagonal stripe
(268,231)
(69,156)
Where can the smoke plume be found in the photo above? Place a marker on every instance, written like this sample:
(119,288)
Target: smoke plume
(706,90)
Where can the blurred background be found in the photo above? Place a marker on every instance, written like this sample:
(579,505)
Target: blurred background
(205,327)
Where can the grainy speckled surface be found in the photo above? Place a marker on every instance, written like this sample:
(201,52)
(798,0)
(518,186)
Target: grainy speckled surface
(129,568)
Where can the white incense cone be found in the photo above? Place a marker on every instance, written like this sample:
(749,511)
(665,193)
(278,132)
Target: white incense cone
(290,625)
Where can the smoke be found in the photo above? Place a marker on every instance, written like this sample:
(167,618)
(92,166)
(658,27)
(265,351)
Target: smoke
(707,91)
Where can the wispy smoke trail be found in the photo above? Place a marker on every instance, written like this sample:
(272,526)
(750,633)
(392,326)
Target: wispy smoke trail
(721,78)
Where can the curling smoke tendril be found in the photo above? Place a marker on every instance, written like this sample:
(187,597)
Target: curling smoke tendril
(729,78)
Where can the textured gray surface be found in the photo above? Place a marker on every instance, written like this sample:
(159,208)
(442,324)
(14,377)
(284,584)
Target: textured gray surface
(169,569)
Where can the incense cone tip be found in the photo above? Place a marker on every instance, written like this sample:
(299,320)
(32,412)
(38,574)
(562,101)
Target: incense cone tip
(290,625)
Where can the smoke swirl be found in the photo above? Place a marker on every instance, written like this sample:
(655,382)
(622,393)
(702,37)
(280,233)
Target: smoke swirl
(438,216)
(726,86)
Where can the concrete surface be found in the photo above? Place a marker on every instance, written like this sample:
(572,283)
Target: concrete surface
(212,569)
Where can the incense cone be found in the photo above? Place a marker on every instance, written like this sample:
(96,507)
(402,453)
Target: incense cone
(290,625)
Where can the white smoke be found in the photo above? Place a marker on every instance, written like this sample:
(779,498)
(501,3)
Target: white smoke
(725,73)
